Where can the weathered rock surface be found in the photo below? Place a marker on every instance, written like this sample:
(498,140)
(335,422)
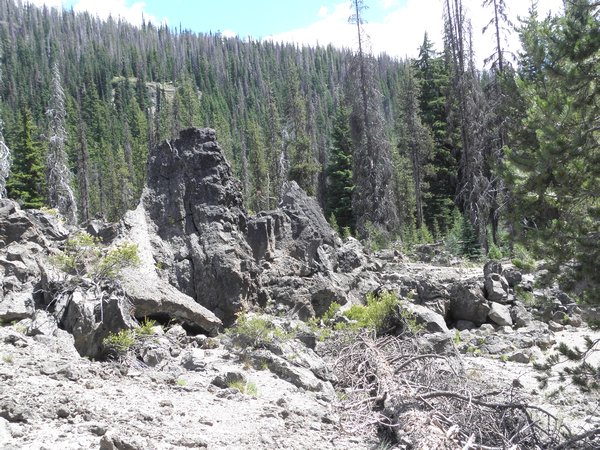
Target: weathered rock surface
(500,314)
(496,288)
(430,320)
(468,303)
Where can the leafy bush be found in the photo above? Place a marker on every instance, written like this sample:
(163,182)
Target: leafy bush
(84,256)
(378,314)
(522,259)
(120,343)
(146,328)
(346,232)
(245,387)
(255,331)
(494,252)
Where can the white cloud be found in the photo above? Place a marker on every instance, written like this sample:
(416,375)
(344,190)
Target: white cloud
(331,28)
(387,4)
(323,10)
(117,9)
(401,31)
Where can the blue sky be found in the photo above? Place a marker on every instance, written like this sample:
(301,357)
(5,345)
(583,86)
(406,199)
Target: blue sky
(395,27)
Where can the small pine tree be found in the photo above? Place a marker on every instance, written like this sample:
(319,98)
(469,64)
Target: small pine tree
(27,181)
(339,172)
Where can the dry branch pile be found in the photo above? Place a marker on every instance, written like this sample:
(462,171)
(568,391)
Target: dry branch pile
(423,400)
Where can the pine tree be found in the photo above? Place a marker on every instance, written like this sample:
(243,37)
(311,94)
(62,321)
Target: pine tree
(468,111)
(258,168)
(373,201)
(554,173)
(434,78)
(5,158)
(26,182)
(340,185)
(58,175)
(415,141)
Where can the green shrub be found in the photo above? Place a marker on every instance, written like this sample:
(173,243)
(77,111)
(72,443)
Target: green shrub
(346,232)
(378,314)
(333,223)
(424,236)
(494,252)
(331,312)
(522,259)
(526,297)
(146,328)
(245,387)
(120,343)
(84,256)
(255,331)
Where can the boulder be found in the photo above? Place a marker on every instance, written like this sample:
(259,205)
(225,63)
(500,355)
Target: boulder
(302,357)
(152,295)
(265,231)
(193,359)
(300,377)
(500,314)
(90,318)
(468,303)
(15,305)
(225,380)
(195,210)
(496,288)
(197,244)
(513,276)
(5,434)
(42,323)
(350,256)
(432,321)
(18,225)
(429,290)
(310,229)
(438,343)
(520,316)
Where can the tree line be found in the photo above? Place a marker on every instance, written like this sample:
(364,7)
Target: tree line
(408,149)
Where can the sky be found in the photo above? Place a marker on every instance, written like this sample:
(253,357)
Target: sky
(395,27)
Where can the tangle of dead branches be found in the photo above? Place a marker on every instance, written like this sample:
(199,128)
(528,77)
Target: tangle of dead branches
(422,399)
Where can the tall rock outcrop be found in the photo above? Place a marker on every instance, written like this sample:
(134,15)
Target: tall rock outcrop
(195,235)
(196,208)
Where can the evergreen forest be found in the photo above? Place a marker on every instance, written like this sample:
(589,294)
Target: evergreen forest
(497,162)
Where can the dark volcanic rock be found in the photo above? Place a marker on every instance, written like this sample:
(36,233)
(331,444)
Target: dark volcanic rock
(468,303)
(195,205)
(310,230)
(194,234)
(28,225)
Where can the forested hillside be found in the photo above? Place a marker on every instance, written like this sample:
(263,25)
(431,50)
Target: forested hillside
(422,149)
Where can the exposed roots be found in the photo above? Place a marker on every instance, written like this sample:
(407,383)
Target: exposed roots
(424,400)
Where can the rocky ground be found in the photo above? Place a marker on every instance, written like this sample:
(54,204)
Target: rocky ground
(184,391)
(51,398)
